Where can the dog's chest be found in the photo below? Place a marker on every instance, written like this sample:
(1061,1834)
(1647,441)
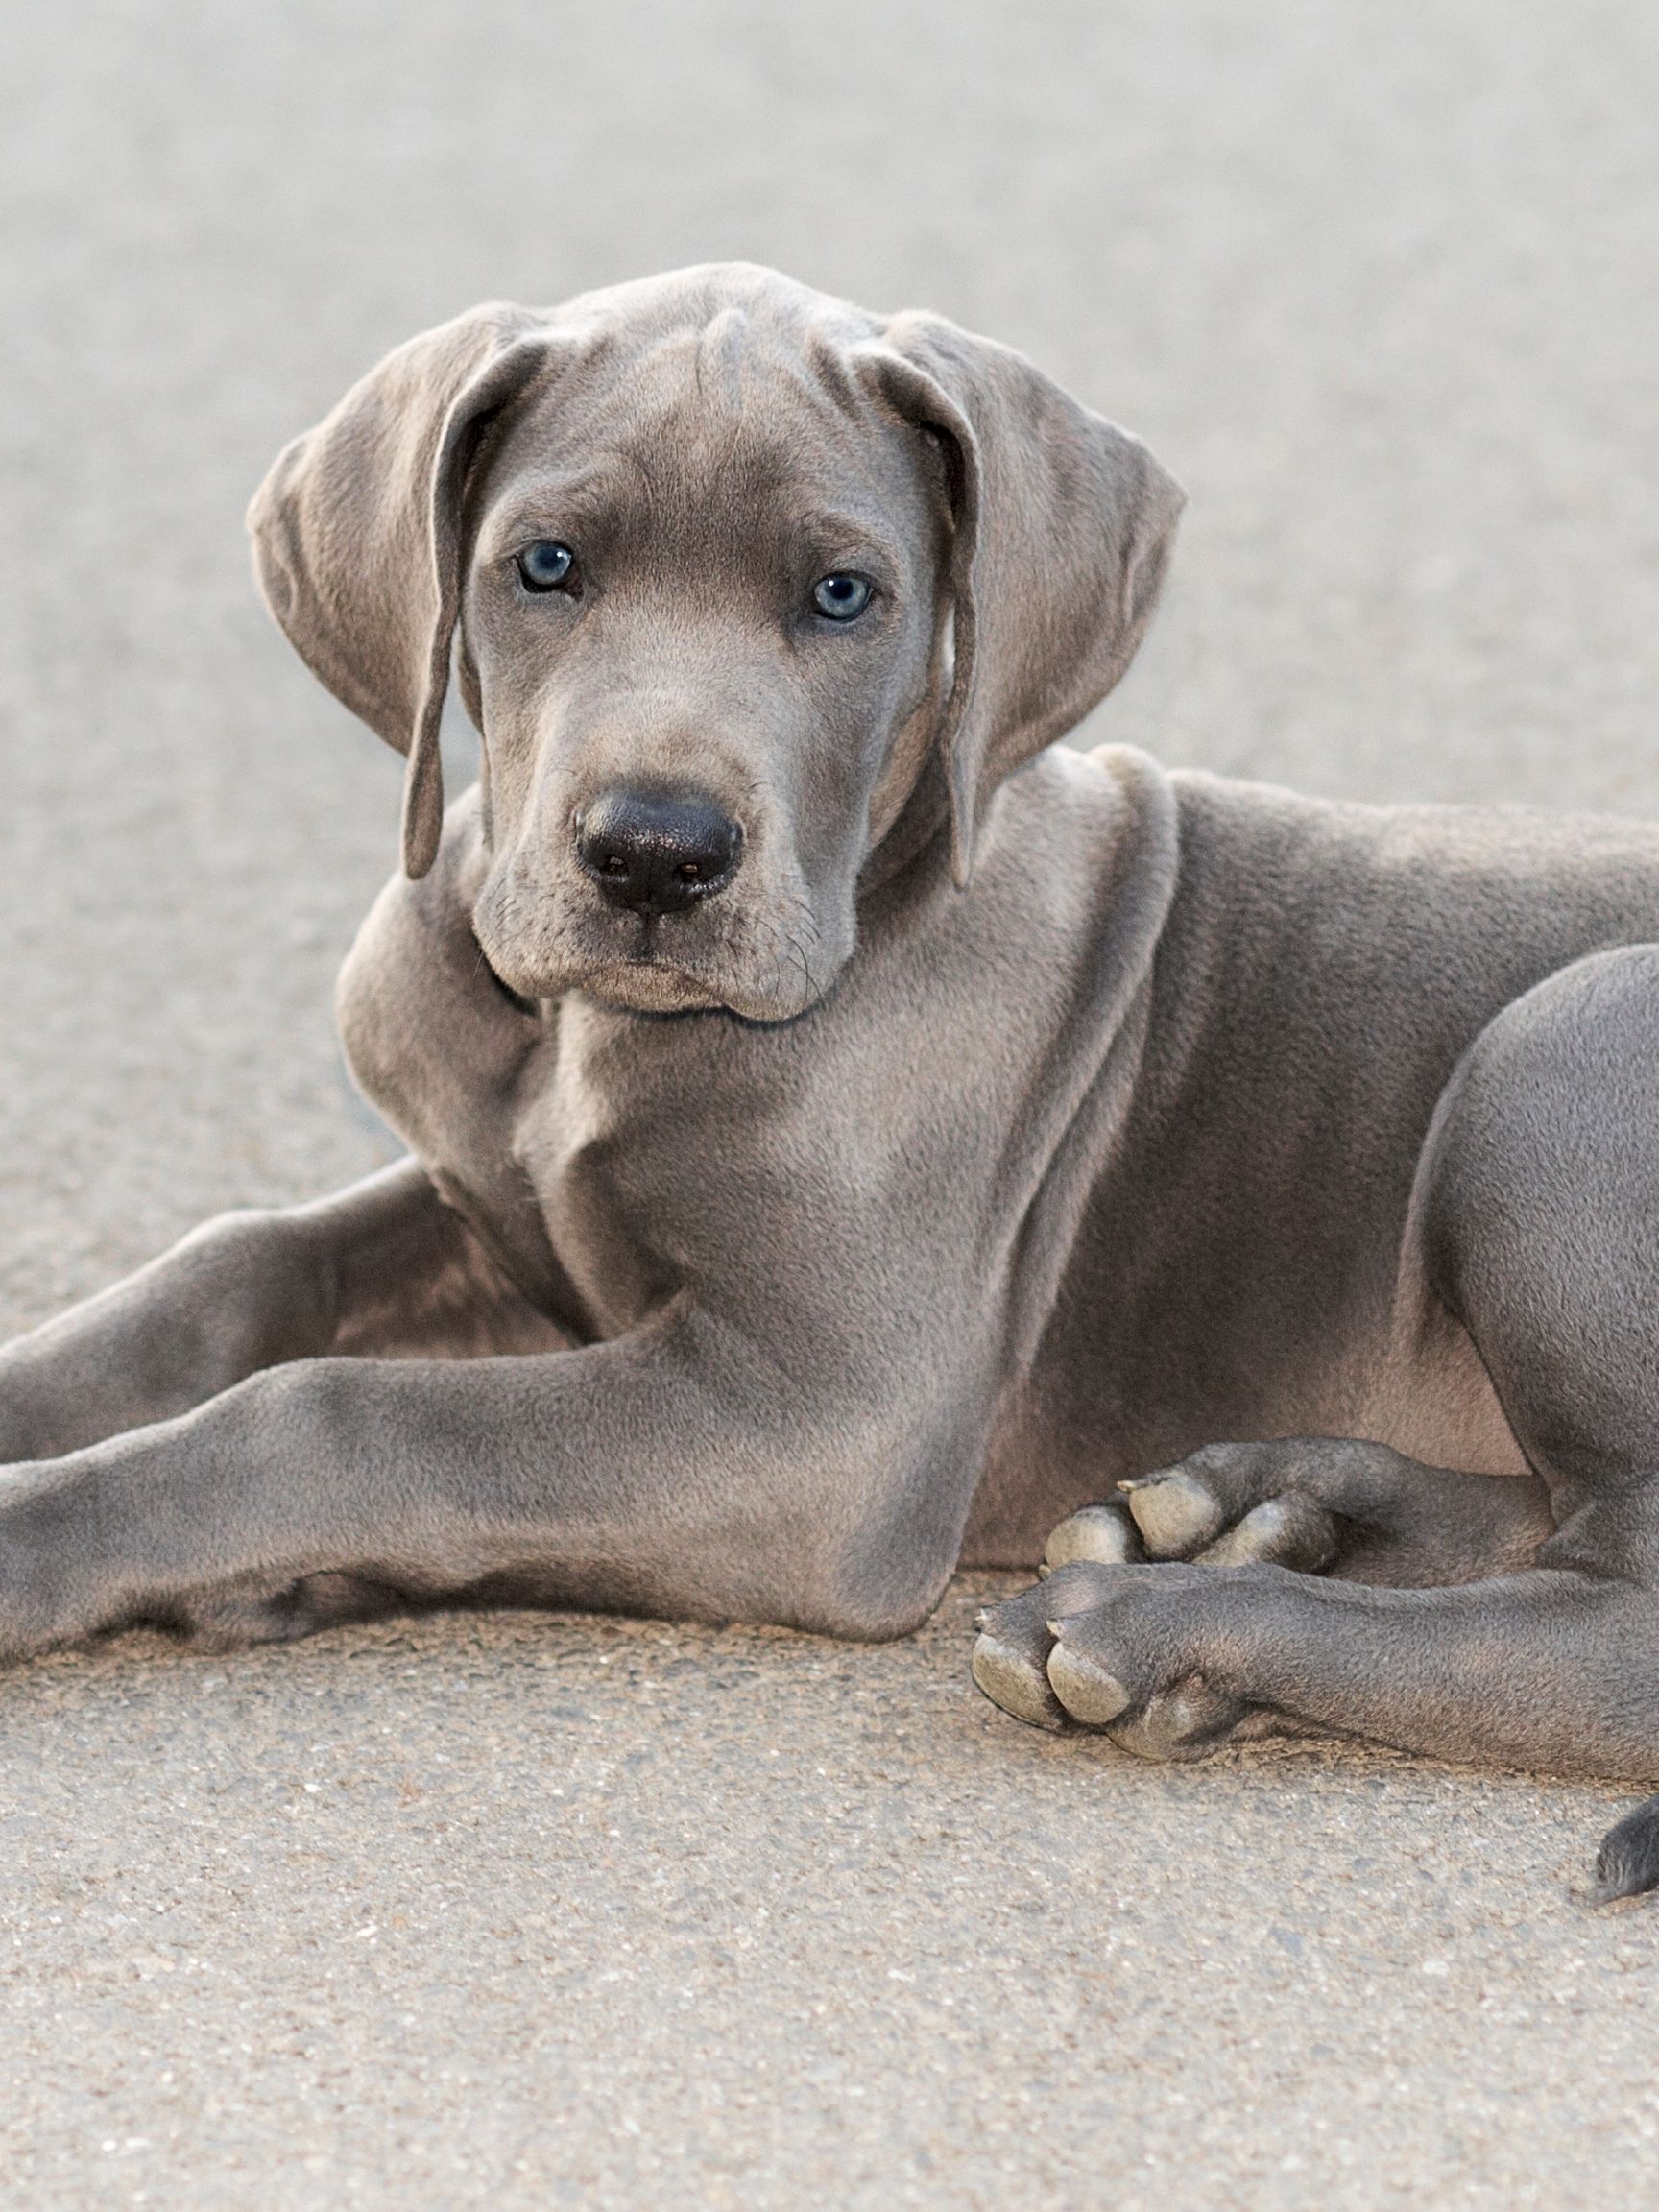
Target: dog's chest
(875,1154)
(693,1155)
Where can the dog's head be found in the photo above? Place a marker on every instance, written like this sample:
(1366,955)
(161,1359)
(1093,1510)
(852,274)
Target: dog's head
(735,575)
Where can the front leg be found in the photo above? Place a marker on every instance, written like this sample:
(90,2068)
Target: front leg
(383,1267)
(672,1471)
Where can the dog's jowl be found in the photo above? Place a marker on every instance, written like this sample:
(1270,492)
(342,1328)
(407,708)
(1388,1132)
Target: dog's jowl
(848,1136)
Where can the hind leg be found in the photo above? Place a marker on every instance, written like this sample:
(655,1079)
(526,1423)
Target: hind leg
(1542,1237)
(1354,1510)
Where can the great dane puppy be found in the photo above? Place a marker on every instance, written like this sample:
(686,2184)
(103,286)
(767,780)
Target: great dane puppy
(848,1136)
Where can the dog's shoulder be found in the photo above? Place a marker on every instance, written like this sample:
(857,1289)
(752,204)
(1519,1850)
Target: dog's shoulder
(1073,845)
(1237,817)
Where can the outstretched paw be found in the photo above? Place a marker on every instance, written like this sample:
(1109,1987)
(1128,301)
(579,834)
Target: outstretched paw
(1223,1508)
(1011,1657)
(1323,1505)
(1098,1645)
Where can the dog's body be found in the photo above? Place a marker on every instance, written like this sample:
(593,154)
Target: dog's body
(786,1223)
(1103,1165)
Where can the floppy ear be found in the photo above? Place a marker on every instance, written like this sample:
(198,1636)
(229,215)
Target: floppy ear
(356,535)
(1063,526)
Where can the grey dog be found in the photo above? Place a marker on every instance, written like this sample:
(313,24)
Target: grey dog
(850,1137)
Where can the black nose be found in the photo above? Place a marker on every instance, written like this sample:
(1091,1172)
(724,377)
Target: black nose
(658,852)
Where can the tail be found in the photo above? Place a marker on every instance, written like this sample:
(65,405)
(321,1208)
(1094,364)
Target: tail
(1627,1862)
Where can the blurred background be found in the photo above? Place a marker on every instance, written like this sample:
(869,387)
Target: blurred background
(1379,283)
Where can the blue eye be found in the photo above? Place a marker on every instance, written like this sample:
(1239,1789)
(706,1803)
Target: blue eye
(547,566)
(842,597)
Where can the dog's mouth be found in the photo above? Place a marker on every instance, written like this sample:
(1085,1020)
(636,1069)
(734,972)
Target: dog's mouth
(742,958)
(646,951)
(649,977)
(762,962)
(653,987)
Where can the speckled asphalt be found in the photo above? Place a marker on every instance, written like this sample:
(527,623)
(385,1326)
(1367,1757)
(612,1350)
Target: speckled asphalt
(520,1912)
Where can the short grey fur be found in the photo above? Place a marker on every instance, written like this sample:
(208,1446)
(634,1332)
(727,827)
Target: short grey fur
(1009,1127)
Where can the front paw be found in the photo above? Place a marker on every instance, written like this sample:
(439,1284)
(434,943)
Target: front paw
(1104,1647)
(1011,1657)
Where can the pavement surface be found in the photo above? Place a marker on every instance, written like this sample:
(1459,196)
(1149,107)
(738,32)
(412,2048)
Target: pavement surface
(521,1912)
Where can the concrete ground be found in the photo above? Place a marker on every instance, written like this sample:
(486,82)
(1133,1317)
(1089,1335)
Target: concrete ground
(524,1911)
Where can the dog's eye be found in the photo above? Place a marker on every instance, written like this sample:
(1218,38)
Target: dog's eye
(842,597)
(547,566)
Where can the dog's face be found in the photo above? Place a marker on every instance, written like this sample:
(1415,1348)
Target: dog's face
(731,565)
(700,615)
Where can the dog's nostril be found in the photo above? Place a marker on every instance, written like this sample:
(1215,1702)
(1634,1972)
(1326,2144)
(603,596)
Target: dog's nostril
(656,851)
